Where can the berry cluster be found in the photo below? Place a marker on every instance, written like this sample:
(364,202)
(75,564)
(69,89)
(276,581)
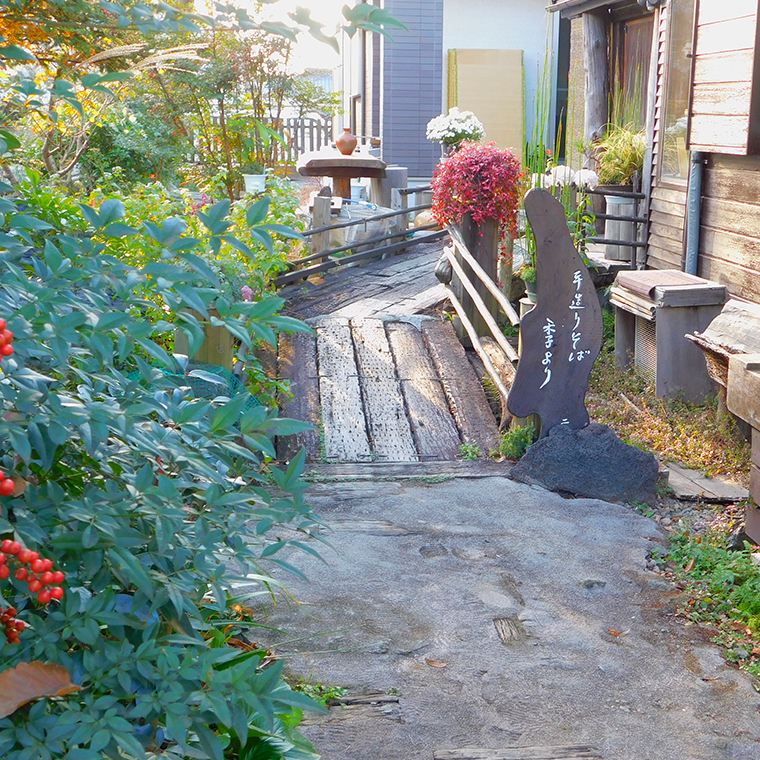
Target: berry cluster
(6,339)
(6,484)
(38,574)
(10,626)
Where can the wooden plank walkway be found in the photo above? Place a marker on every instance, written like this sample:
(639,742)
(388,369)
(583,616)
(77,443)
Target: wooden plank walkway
(380,382)
(399,286)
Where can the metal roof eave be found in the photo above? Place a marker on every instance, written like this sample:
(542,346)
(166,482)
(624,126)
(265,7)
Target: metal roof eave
(573,8)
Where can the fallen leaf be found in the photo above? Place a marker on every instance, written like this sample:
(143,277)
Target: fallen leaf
(616,633)
(689,565)
(32,680)
(435,663)
(715,678)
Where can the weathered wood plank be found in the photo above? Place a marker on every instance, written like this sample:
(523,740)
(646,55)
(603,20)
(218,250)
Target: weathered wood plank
(658,258)
(755,455)
(730,216)
(669,194)
(574,752)
(740,185)
(664,230)
(711,11)
(673,246)
(407,470)
(667,207)
(724,67)
(739,250)
(297,362)
(729,98)
(743,396)
(435,433)
(740,282)
(389,431)
(463,389)
(726,131)
(343,420)
(727,35)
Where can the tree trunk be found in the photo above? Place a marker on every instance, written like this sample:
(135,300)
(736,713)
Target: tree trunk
(596,115)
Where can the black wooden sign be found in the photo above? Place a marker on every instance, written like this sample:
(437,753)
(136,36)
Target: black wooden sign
(562,334)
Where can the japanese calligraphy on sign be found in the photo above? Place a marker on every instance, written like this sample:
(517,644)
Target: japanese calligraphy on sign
(562,335)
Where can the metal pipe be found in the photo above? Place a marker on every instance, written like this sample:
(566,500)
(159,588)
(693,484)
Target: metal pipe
(693,212)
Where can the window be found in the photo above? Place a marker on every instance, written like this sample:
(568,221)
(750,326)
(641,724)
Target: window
(675,157)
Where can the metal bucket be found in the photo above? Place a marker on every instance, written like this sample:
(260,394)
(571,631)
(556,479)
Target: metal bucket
(617,230)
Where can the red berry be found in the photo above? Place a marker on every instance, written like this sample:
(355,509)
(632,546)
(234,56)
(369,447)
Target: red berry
(6,350)
(6,487)
(34,556)
(34,586)
(43,597)
(6,545)
(38,566)
(22,574)
(19,625)
(58,577)
(46,578)
(25,556)
(5,571)
(8,335)
(2,558)
(48,564)
(56,592)
(3,324)
(15,548)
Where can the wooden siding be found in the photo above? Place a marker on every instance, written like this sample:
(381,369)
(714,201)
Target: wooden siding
(667,204)
(412,81)
(724,69)
(729,249)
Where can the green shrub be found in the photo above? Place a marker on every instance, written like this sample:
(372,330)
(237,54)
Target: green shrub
(516,441)
(154,504)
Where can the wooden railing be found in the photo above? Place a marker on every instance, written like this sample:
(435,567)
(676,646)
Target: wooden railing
(401,236)
(458,255)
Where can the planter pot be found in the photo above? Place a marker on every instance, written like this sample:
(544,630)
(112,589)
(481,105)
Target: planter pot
(619,230)
(255,183)
(531,291)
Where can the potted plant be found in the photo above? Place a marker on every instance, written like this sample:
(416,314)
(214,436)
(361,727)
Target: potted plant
(478,190)
(620,161)
(254,177)
(454,129)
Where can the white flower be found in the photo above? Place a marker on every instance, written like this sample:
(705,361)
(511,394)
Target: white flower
(587,179)
(539,180)
(561,175)
(455,127)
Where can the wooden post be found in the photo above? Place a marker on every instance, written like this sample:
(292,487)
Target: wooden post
(482,241)
(596,115)
(218,345)
(320,218)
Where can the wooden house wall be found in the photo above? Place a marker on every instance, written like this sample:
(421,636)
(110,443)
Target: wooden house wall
(729,249)
(667,208)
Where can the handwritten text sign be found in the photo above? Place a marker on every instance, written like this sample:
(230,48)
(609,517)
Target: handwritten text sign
(562,335)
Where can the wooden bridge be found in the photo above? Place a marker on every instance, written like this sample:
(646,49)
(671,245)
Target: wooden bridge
(383,379)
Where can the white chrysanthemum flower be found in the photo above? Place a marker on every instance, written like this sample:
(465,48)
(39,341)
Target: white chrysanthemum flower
(539,180)
(455,127)
(561,175)
(587,179)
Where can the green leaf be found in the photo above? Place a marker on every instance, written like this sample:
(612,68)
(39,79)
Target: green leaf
(228,414)
(283,230)
(119,230)
(91,215)
(26,222)
(201,267)
(16,53)
(258,211)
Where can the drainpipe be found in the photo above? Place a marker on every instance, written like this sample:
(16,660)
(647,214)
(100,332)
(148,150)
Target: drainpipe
(693,212)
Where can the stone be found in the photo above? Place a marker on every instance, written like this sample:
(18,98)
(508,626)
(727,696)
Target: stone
(591,463)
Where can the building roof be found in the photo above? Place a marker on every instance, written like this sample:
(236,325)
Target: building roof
(572,8)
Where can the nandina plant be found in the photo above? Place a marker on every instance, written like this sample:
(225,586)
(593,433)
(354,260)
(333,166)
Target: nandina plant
(481,180)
